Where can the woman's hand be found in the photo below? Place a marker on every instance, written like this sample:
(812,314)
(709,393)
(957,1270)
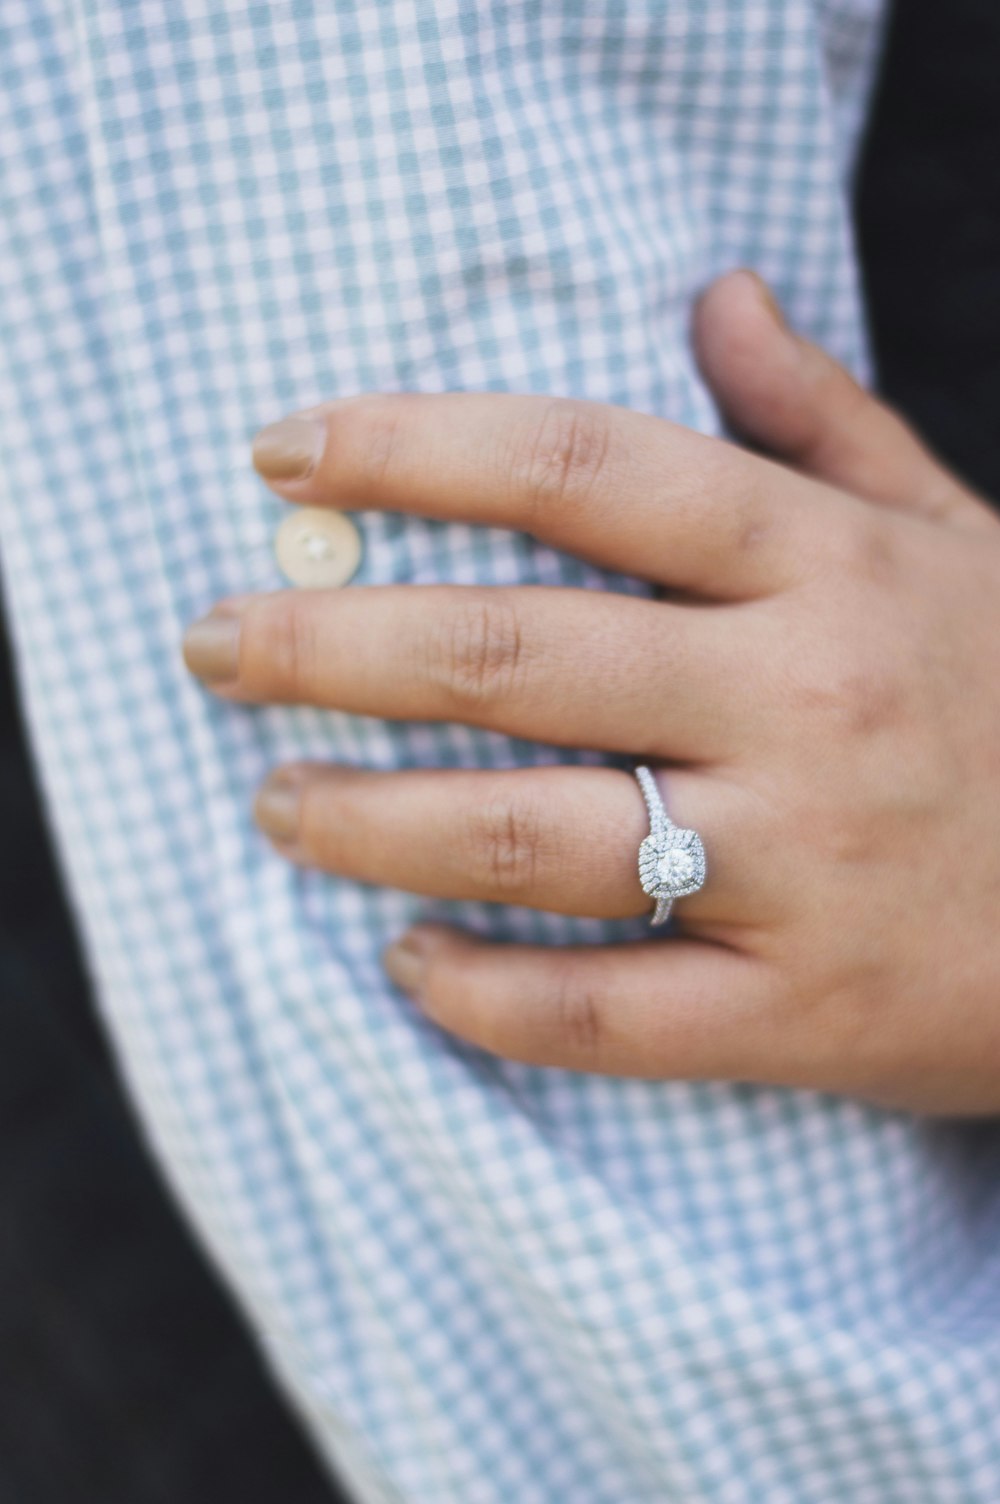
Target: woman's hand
(823,680)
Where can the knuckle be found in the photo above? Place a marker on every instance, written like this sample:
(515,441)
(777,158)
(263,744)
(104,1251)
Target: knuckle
(478,653)
(382,418)
(876,553)
(716,497)
(840,841)
(868,550)
(314,832)
(579,1014)
(283,657)
(560,457)
(862,699)
(506,839)
(855,686)
(753,517)
(332,823)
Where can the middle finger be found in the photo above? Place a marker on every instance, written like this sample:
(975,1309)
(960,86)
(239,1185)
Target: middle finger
(569,667)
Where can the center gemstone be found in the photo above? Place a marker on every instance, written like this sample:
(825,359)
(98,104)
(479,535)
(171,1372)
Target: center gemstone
(675,867)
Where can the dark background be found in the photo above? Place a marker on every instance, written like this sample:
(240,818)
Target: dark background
(928,209)
(125,1377)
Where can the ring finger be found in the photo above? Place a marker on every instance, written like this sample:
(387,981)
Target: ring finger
(560,839)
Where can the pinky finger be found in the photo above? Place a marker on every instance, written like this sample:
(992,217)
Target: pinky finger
(681,1009)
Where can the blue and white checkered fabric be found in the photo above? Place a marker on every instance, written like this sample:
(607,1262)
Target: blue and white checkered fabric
(481,1282)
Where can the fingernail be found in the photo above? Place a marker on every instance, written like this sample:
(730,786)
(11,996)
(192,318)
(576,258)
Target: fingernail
(277,807)
(406,962)
(290,449)
(211,647)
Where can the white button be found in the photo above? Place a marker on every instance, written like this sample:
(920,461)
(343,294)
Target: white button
(317,548)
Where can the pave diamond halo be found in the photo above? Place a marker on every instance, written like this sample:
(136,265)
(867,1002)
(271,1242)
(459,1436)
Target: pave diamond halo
(671,859)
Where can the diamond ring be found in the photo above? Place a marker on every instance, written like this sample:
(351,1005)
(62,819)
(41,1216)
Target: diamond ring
(671,860)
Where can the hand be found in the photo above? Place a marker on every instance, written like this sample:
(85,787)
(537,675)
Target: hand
(822,680)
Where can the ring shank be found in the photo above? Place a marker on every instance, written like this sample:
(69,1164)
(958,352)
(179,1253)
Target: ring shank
(666,842)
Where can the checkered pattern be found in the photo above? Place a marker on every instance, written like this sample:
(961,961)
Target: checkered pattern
(481,1282)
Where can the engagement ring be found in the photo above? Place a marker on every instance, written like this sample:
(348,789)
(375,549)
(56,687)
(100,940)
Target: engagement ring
(671,860)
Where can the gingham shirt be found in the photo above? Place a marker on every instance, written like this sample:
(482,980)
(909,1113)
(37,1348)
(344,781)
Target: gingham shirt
(480,1282)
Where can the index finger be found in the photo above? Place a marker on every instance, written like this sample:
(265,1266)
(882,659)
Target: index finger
(628,491)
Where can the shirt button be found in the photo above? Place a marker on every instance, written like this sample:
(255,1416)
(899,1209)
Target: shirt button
(317,548)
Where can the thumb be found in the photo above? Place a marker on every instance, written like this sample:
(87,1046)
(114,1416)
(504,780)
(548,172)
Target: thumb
(790,397)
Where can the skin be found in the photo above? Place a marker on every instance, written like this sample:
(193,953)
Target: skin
(817,684)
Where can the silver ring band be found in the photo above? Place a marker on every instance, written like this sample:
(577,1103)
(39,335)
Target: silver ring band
(671,859)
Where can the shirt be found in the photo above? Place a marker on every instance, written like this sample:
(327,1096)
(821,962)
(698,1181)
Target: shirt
(479,1281)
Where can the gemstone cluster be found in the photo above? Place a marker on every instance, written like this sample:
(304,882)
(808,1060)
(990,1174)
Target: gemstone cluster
(671,863)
